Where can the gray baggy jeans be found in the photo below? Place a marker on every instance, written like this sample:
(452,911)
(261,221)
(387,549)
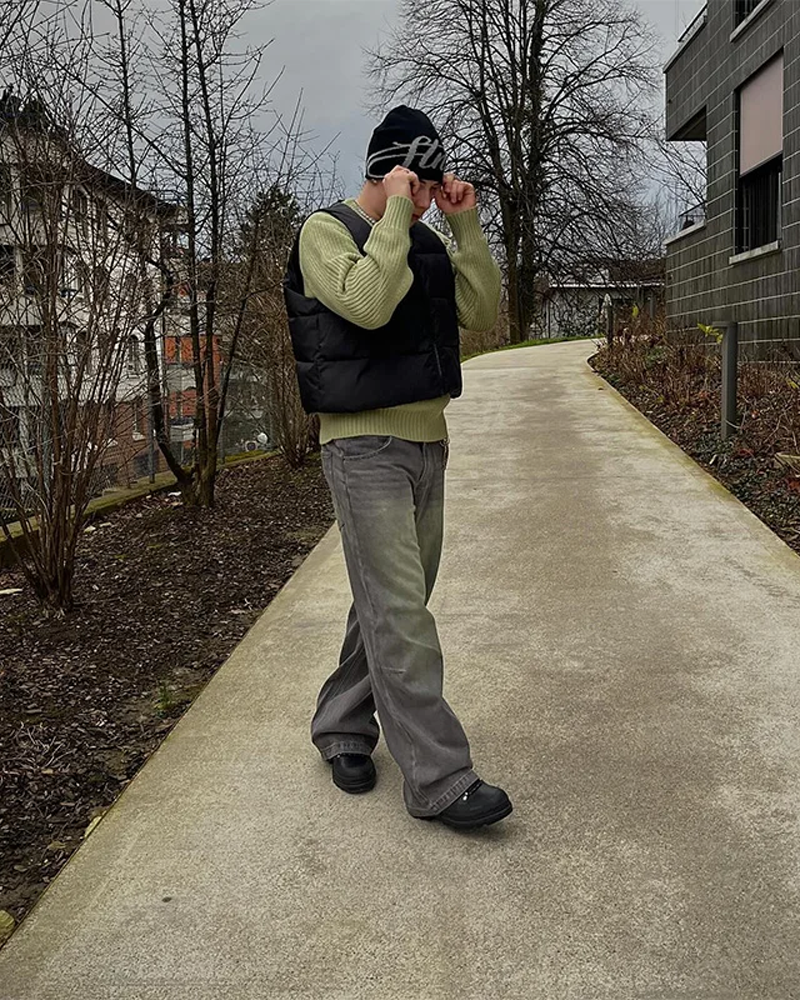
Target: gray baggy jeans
(388,495)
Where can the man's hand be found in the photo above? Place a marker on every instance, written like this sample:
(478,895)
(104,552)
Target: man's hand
(402,181)
(455,196)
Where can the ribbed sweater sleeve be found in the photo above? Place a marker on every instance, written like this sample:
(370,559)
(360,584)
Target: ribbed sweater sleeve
(478,279)
(366,289)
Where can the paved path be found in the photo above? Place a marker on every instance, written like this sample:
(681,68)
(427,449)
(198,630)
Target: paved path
(622,646)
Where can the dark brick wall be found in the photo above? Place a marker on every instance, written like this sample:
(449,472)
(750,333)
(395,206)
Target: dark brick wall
(763,295)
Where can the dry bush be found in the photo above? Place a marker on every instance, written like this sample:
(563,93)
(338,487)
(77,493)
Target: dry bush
(269,233)
(293,431)
(679,376)
(769,407)
(478,343)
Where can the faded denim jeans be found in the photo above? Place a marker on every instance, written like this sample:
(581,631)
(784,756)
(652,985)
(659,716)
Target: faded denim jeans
(388,495)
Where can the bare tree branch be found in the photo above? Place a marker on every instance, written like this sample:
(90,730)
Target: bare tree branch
(543,104)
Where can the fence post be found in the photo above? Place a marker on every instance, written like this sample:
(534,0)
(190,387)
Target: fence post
(608,309)
(730,357)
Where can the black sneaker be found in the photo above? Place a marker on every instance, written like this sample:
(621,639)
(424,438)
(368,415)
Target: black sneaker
(353,772)
(480,805)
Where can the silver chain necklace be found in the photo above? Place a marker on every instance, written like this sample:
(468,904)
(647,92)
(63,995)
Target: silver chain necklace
(360,211)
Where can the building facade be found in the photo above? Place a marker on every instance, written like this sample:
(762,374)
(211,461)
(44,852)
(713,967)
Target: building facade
(734,84)
(77,282)
(578,305)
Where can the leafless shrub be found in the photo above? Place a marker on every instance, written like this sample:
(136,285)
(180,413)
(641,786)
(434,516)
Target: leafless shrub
(681,375)
(73,301)
(100,277)
(473,342)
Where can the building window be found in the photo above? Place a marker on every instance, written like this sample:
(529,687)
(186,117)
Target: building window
(39,192)
(138,415)
(760,122)
(33,349)
(744,8)
(101,282)
(8,264)
(760,207)
(68,280)
(132,292)
(33,276)
(6,190)
(9,426)
(134,356)
(83,277)
(79,205)
(83,350)
(132,226)
(101,220)
(11,347)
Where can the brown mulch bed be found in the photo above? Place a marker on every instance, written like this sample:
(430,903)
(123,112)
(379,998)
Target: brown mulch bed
(163,595)
(677,389)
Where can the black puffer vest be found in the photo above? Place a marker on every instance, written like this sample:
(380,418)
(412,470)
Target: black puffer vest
(343,368)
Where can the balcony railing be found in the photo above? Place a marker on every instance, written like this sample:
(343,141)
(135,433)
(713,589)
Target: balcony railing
(694,28)
(181,429)
(700,16)
(691,219)
(694,216)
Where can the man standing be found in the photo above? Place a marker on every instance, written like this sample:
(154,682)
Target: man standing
(375,299)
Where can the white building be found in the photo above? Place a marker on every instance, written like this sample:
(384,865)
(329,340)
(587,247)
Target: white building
(575,306)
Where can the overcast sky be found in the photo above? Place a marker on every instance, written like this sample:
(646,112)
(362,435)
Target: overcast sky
(319,43)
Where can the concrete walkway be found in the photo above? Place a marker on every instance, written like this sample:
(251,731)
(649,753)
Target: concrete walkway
(622,646)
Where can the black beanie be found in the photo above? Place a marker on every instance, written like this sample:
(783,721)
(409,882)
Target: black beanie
(406,138)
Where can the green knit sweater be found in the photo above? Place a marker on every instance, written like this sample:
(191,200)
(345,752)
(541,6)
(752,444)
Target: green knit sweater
(367,289)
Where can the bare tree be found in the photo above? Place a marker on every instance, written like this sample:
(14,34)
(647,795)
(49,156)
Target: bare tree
(129,159)
(14,15)
(205,142)
(542,105)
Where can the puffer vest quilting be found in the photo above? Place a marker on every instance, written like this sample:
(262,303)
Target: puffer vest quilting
(344,368)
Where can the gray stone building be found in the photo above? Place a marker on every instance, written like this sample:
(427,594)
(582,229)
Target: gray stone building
(734,83)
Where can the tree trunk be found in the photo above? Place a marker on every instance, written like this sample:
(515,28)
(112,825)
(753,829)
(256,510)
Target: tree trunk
(207,479)
(199,490)
(514,324)
(53,580)
(526,294)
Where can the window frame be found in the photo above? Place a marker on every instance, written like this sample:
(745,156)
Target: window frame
(6,189)
(743,9)
(138,416)
(741,248)
(134,355)
(83,346)
(10,415)
(34,266)
(744,18)
(8,264)
(80,209)
(770,173)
